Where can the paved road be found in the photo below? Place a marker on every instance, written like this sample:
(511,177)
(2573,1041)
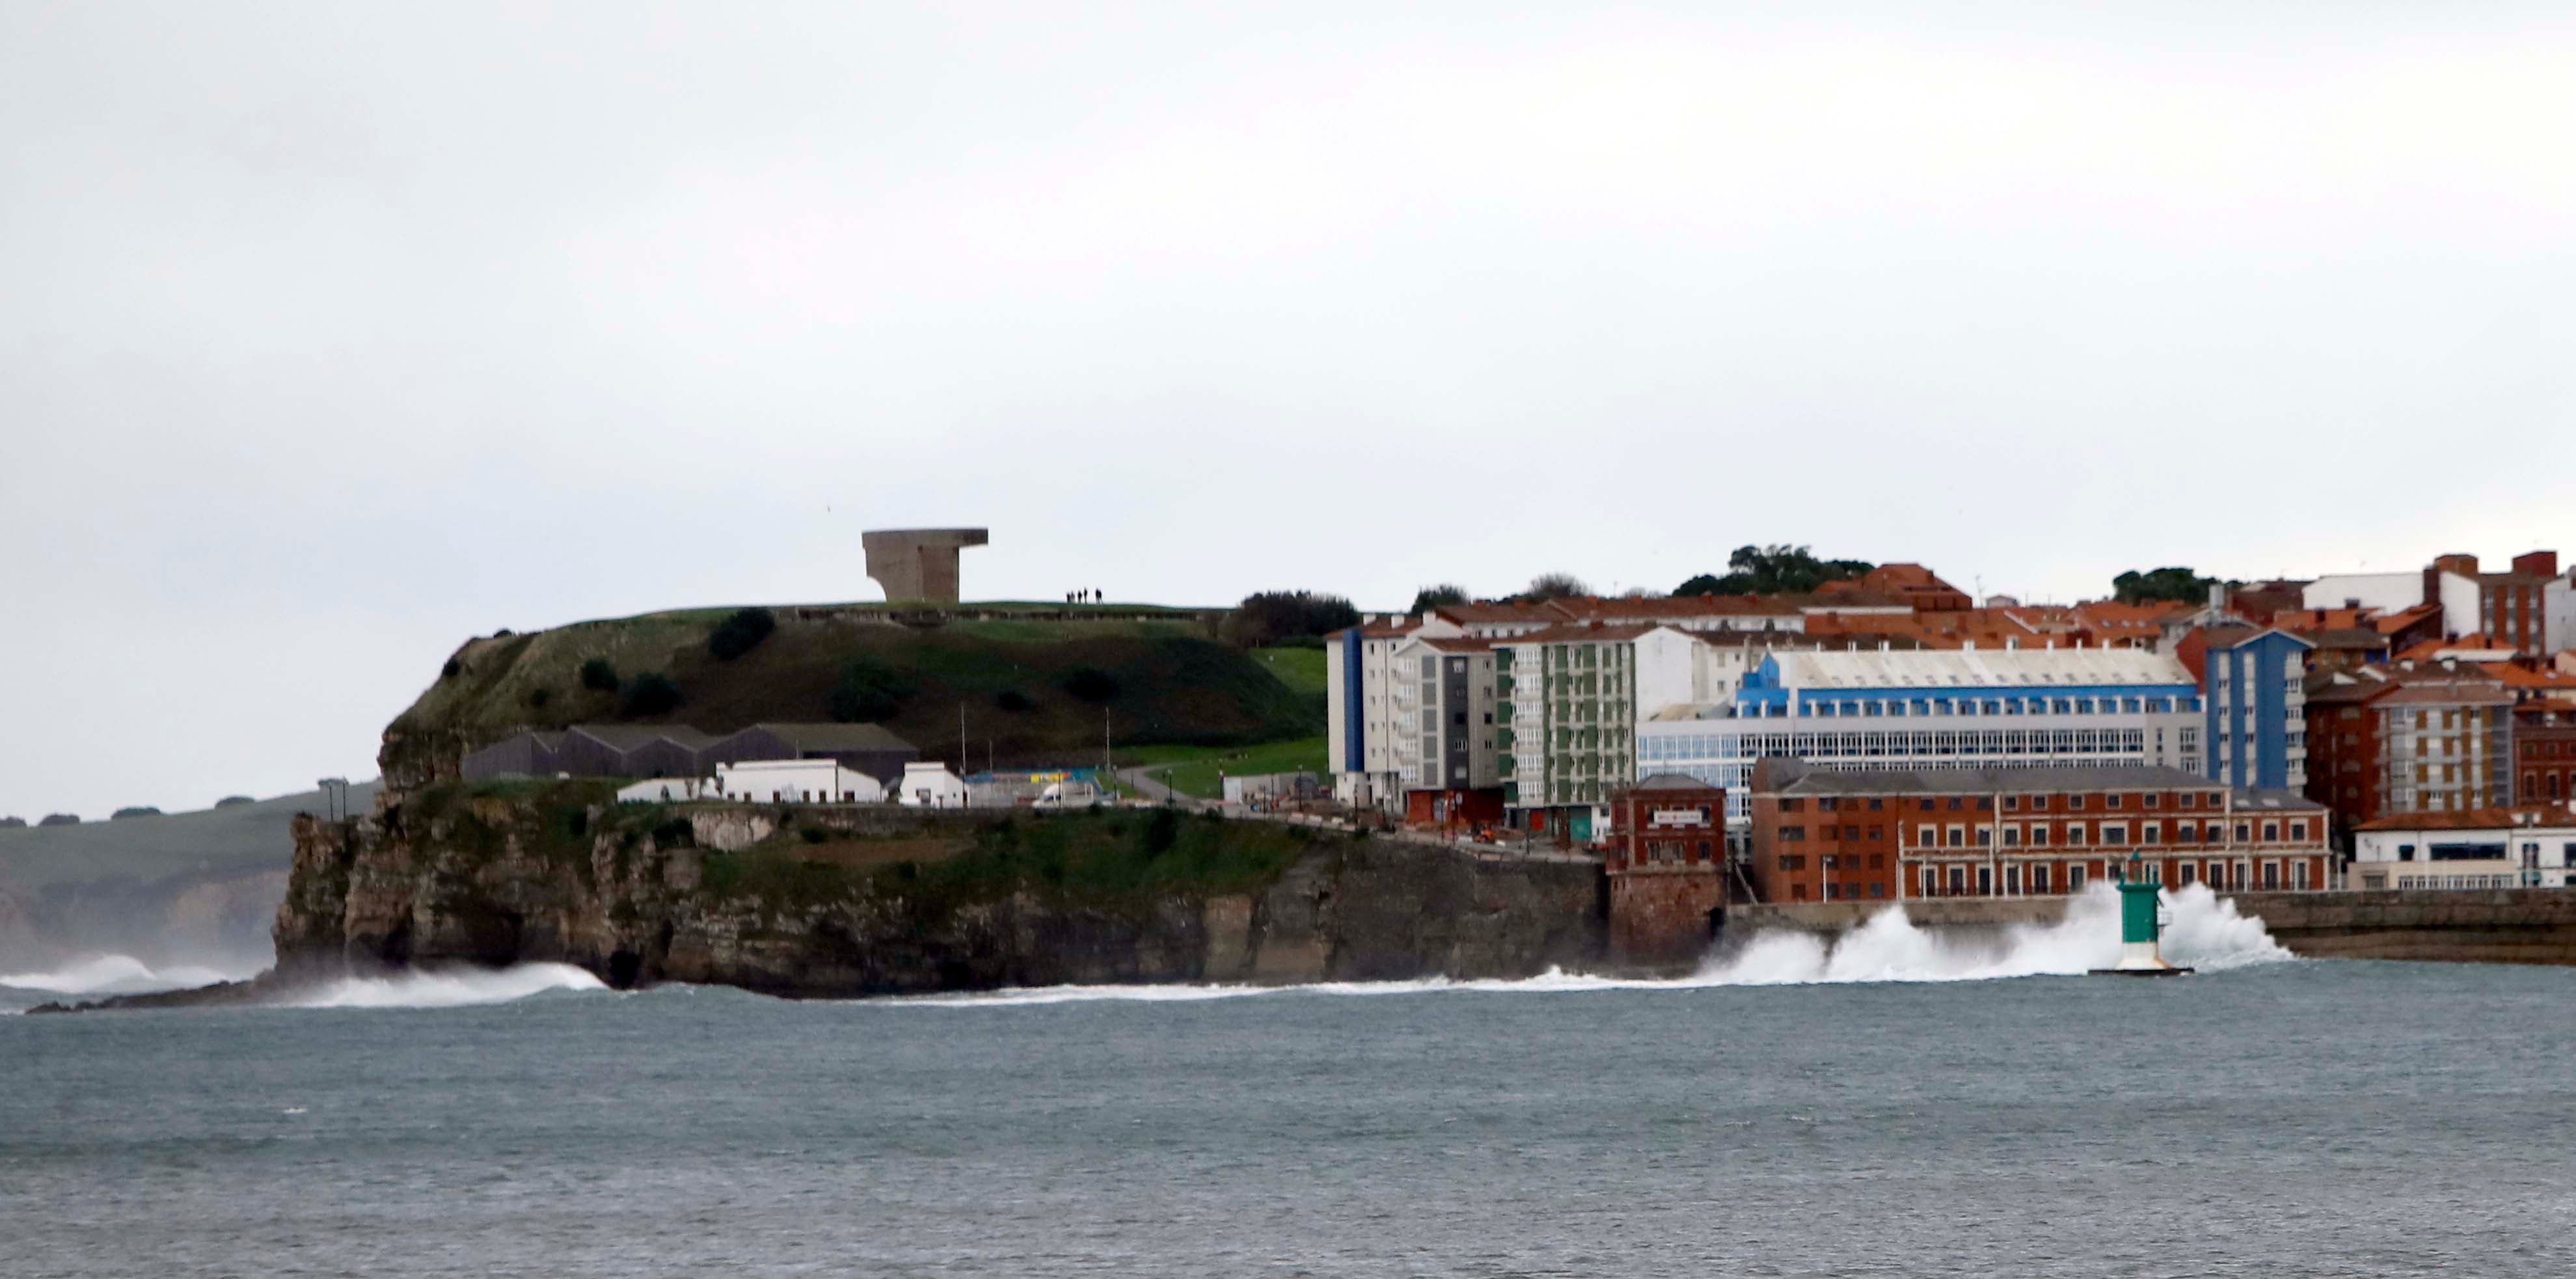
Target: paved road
(1150,786)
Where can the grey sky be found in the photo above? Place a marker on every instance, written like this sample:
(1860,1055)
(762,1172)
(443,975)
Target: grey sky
(332,334)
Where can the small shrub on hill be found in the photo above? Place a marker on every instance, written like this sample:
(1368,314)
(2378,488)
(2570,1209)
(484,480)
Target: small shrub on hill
(651,693)
(599,676)
(538,697)
(1014,701)
(451,669)
(234,801)
(13,823)
(132,811)
(60,819)
(1091,684)
(736,635)
(870,691)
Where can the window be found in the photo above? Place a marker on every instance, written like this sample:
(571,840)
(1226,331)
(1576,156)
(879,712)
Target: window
(2074,803)
(2039,879)
(2115,834)
(1924,838)
(2112,802)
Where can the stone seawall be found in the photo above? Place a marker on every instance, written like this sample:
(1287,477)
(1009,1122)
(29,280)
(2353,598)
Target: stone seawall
(2502,926)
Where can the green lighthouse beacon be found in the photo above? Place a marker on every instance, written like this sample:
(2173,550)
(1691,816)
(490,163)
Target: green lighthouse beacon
(2140,925)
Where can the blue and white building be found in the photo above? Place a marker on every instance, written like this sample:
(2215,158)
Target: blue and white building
(2257,722)
(1964,708)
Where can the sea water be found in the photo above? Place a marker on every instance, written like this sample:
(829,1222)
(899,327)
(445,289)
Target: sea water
(1898,1104)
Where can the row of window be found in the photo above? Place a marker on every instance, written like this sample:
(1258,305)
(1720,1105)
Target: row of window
(1860,708)
(1824,747)
(1963,879)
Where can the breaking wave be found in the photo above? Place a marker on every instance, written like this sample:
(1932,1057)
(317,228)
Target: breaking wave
(116,975)
(2204,933)
(444,988)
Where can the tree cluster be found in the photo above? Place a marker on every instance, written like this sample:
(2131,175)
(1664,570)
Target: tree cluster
(1431,597)
(1773,570)
(650,693)
(737,634)
(1272,617)
(2175,585)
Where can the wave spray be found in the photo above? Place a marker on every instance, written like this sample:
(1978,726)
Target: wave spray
(2206,933)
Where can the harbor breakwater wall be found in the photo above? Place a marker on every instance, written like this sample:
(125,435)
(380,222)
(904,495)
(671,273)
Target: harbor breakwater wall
(2497,926)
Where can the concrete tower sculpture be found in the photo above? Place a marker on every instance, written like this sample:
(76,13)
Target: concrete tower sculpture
(919,563)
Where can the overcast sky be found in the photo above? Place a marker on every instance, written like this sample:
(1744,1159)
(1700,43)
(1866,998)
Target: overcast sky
(331,335)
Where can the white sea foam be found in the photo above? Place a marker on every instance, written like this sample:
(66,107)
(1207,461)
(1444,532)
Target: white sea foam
(445,988)
(2205,933)
(115,975)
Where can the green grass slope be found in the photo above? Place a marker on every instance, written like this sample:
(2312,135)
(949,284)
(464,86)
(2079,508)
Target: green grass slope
(1013,676)
(244,837)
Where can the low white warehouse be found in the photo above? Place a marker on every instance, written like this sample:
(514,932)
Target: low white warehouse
(797,781)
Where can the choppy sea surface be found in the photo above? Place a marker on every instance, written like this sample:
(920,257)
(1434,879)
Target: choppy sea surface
(1772,1117)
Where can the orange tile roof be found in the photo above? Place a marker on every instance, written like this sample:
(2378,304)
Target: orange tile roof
(2473,818)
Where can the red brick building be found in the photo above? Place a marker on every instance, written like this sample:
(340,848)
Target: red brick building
(1667,868)
(2544,747)
(1896,834)
(2510,605)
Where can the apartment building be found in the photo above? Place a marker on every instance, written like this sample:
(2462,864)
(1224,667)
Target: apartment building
(1901,833)
(1569,699)
(2253,685)
(1935,708)
(2515,606)
(1445,757)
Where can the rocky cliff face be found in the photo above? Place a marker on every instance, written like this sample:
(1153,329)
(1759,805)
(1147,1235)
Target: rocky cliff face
(899,901)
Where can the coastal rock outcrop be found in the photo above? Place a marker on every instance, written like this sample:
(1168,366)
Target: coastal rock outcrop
(863,901)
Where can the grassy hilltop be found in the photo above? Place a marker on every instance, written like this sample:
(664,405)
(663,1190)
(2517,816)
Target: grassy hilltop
(1034,680)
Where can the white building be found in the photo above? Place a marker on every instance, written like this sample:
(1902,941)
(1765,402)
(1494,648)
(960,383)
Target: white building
(1933,708)
(797,781)
(2386,592)
(2530,846)
(669,790)
(1366,739)
(929,784)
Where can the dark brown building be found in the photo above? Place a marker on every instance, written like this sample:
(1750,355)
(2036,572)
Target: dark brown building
(1667,867)
(2544,746)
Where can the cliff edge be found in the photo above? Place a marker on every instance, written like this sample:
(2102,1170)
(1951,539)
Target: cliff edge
(865,901)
